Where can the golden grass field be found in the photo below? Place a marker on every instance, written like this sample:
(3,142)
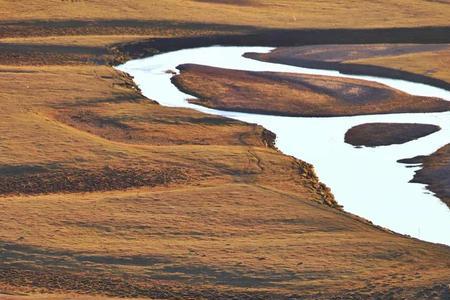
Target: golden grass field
(431,63)
(261,13)
(105,194)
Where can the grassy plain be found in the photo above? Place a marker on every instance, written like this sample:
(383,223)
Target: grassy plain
(257,13)
(433,64)
(108,194)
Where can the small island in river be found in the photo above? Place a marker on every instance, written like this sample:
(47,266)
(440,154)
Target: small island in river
(384,134)
(297,95)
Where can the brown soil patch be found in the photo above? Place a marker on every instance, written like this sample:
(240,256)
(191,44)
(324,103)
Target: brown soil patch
(78,180)
(383,134)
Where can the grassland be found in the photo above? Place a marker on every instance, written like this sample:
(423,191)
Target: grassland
(430,63)
(258,13)
(107,194)
(215,241)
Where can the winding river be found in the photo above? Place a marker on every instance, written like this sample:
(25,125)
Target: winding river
(367,181)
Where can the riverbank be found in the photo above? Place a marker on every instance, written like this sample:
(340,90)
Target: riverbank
(426,63)
(434,172)
(321,140)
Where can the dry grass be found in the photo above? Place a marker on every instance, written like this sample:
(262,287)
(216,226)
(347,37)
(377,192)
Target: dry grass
(433,64)
(118,129)
(233,238)
(75,40)
(429,61)
(261,13)
(99,121)
(71,296)
(244,222)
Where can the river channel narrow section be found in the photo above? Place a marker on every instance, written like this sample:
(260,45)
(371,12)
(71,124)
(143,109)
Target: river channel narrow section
(367,181)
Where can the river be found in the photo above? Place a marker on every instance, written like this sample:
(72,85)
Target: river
(368,182)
